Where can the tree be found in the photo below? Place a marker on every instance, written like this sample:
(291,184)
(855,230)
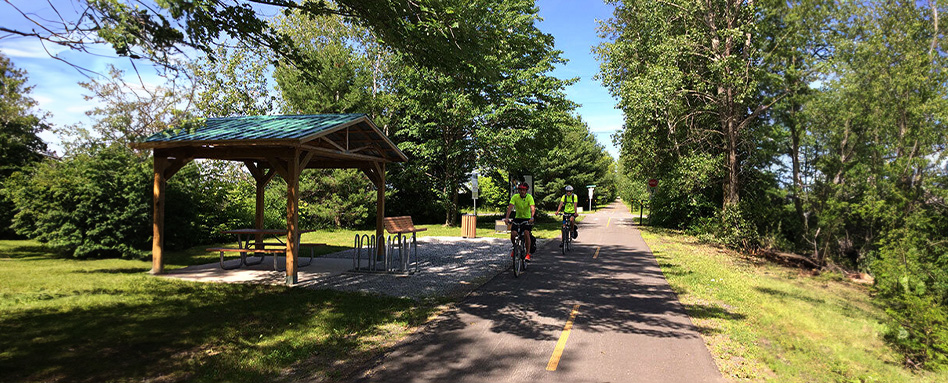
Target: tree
(234,83)
(576,160)
(127,113)
(449,125)
(878,152)
(435,35)
(702,77)
(20,125)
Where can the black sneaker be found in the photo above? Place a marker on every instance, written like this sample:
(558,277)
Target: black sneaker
(575,234)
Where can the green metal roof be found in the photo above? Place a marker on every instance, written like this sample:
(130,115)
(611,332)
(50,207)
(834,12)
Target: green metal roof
(257,128)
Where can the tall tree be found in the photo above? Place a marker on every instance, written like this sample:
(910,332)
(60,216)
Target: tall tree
(449,125)
(700,74)
(20,125)
(433,34)
(128,112)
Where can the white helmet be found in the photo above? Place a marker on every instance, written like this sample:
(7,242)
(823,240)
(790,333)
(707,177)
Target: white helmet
(569,188)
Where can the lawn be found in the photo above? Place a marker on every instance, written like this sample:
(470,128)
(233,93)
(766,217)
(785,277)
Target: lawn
(764,322)
(108,320)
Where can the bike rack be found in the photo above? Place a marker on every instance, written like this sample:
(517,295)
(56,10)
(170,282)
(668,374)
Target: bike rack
(397,257)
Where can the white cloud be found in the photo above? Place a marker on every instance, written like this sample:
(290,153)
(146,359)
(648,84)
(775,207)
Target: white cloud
(30,48)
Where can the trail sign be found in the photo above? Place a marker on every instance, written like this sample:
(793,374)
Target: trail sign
(652,183)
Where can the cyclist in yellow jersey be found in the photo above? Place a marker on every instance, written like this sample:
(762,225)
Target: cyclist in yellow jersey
(525,212)
(569,201)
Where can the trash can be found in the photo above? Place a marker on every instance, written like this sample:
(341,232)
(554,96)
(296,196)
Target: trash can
(469,226)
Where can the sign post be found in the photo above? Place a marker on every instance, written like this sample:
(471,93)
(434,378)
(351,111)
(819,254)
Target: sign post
(590,187)
(474,189)
(652,184)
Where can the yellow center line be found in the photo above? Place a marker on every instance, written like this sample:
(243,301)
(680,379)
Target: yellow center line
(607,222)
(561,344)
(597,253)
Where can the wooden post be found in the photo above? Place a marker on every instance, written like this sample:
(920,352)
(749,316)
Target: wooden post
(380,213)
(158,217)
(292,216)
(262,180)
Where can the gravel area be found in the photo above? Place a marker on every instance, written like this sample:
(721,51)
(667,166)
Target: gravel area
(448,266)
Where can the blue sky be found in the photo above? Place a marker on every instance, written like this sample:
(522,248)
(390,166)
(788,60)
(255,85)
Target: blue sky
(572,23)
(574,27)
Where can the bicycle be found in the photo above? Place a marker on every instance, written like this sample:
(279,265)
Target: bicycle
(566,233)
(520,249)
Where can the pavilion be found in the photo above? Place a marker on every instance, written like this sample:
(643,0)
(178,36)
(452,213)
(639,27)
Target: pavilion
(270,145)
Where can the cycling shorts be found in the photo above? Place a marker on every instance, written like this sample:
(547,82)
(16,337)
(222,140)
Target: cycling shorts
(525,226)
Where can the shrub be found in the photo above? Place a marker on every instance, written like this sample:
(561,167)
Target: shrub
(97,203)
(93,204)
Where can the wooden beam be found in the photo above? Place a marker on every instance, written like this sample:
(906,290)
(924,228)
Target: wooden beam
(305,161)
(175,165)
(249,152)
(341,149)
(329,153)
(292,216)
(372,175)
(280,167)
(254,170)
(319,163)
(380,213)
(158,216)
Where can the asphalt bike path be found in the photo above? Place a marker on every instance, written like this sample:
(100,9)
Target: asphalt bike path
(602,312)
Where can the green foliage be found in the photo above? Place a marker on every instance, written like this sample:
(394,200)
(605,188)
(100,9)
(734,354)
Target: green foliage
(912,281)
(576,160)
(93,204)
(127,113)
(336,199)
(97,203)
(834,133)
(493,192)
(20,144)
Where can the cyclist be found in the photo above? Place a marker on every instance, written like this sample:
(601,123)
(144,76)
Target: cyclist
(526,209)
(569,200)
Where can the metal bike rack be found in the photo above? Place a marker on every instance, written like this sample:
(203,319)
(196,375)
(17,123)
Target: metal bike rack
(400,254)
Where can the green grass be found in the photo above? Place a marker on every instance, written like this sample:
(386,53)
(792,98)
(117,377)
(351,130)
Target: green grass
(769,323)
(108,320)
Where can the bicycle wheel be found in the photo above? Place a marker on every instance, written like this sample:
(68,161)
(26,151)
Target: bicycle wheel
(565,239)
(518,262)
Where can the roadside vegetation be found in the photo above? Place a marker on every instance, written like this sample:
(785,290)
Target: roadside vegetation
(765,322)
(813,130)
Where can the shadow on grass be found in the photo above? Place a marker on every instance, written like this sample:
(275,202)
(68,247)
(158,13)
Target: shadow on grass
(785,294)
(191,331)
(27,251)
(712,312)
(124,270)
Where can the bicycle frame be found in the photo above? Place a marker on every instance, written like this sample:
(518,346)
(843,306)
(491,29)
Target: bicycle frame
(565,235)
(520,251)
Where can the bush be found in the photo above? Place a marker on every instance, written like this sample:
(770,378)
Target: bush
(94,204)
(912,283)
(97,203)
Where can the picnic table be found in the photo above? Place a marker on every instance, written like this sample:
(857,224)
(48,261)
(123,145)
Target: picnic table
(247,237)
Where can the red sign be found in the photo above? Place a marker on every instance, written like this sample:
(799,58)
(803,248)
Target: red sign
(652,183)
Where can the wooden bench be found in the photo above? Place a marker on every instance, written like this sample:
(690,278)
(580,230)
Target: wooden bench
(243,258)
(400,225)
(276,252)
